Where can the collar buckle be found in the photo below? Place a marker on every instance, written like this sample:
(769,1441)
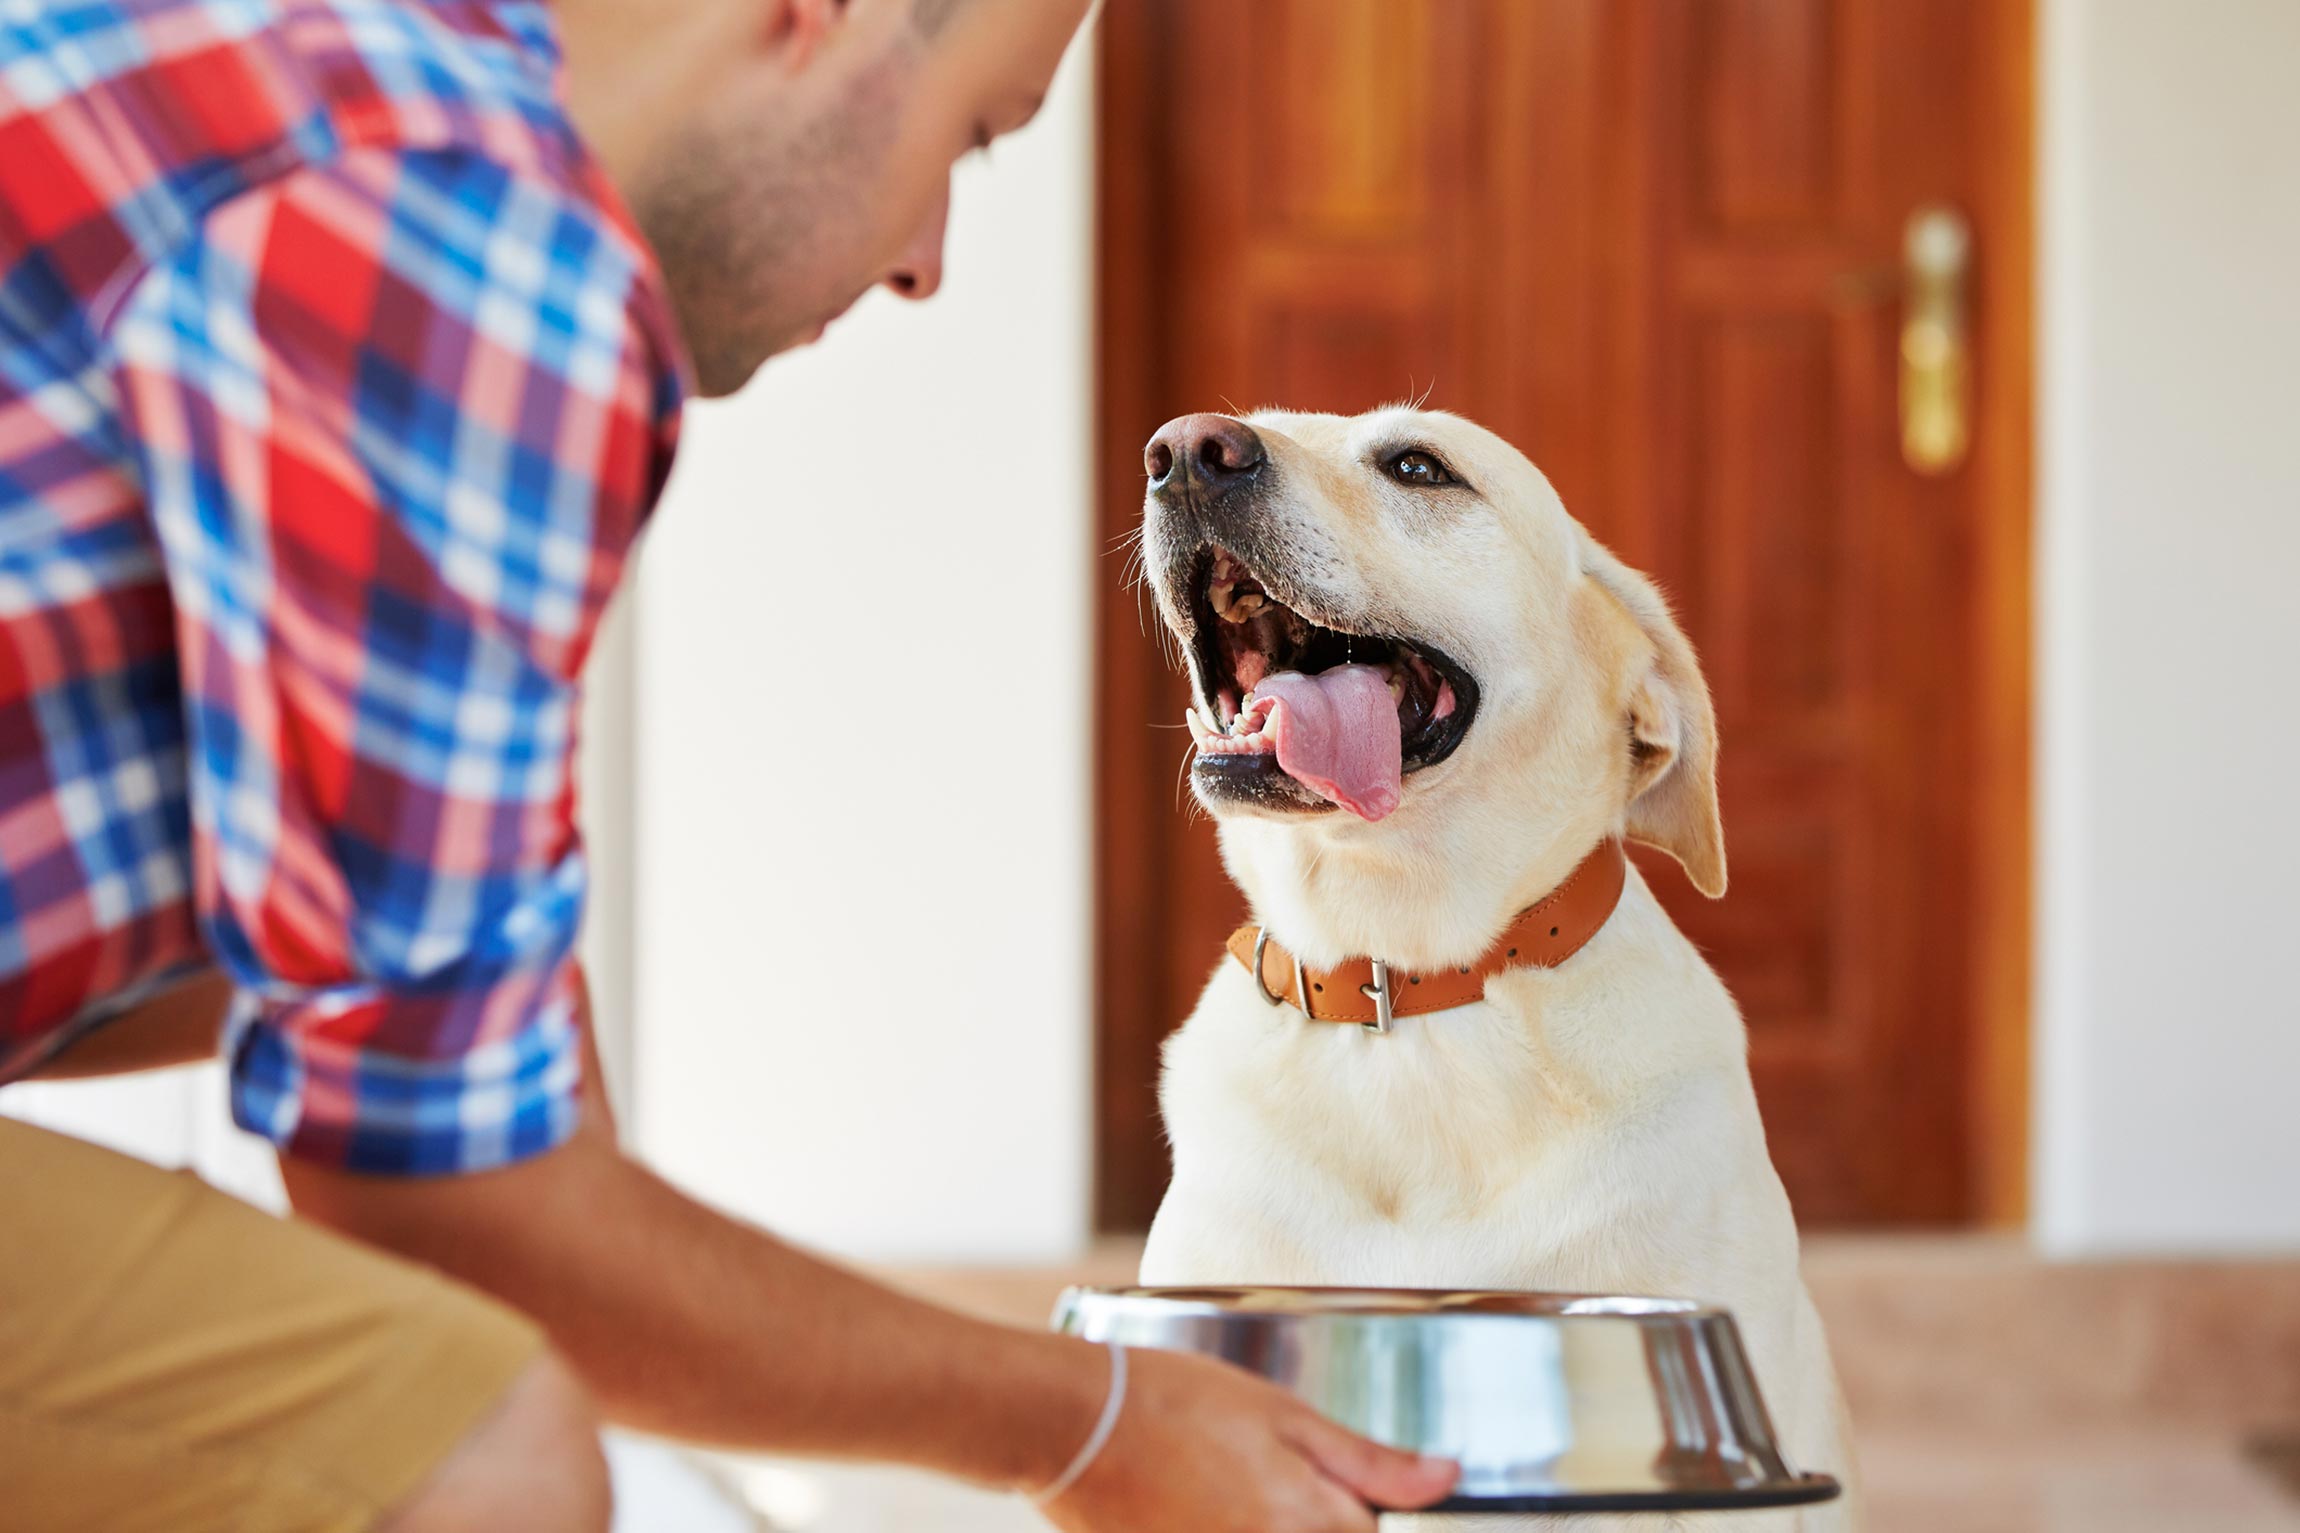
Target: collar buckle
(1301,984)
(1379,993)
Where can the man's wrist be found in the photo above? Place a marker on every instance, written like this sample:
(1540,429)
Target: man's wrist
(1105,1426)
(1053,1392)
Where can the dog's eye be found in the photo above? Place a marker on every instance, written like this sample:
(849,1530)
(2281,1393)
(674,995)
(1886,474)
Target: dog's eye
(1420,469)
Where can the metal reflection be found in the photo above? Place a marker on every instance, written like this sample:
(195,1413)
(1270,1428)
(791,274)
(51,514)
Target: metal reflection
(1550,1402)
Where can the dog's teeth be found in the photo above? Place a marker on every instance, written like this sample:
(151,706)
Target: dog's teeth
(1244,607)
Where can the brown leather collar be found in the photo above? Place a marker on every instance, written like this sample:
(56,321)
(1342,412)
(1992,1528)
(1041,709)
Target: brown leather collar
(1370,992)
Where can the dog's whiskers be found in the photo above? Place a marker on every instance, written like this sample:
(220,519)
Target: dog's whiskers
(1183,776)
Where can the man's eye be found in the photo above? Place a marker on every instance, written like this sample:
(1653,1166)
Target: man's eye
(1420,469)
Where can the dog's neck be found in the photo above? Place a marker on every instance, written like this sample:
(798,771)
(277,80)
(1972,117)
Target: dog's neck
(1438,897)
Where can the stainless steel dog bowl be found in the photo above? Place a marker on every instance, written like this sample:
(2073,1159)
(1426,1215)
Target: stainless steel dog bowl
(1551,1402)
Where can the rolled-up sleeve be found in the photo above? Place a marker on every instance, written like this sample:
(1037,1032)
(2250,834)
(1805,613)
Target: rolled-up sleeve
(399,418)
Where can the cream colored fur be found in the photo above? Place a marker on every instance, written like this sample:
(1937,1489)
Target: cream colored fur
(1588,1128)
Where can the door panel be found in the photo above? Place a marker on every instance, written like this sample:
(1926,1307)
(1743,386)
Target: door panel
(1655,243)
(1765,151)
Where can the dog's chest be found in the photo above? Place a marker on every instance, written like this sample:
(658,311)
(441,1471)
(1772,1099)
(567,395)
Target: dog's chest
(1458,1151)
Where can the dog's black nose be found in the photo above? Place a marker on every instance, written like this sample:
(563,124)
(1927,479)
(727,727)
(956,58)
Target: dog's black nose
(1214,451)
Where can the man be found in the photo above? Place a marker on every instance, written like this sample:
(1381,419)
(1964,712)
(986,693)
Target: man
(341,343)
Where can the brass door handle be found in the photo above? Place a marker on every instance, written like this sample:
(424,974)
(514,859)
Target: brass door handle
(1936,383)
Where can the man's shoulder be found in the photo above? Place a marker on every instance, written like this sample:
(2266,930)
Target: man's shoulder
(123,126)
(476,76)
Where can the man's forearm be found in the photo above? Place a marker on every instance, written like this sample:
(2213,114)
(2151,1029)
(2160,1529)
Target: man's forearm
(691,1324)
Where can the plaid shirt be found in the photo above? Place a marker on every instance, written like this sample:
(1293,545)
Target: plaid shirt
(334,386)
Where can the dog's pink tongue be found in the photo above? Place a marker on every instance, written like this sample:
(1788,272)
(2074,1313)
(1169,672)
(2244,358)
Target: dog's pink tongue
(1337,734)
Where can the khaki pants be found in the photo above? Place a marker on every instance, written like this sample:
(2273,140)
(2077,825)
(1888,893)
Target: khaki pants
(171,1358)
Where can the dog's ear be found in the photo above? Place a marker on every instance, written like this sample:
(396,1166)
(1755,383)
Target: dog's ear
(1671,732)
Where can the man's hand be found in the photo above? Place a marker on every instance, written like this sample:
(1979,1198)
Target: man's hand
(1204,1448)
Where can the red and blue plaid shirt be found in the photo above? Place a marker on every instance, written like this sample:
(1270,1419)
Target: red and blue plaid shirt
(334,385)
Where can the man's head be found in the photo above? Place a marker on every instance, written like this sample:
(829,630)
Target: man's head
(784,156)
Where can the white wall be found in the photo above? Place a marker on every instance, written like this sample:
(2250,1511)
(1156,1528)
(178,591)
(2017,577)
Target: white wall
(862,754)
(606,802)
(2169,1006)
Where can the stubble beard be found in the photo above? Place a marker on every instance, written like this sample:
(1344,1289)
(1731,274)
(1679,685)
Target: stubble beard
(754,227)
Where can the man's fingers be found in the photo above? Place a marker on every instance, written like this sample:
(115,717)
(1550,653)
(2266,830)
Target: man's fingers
(1384,1477)
(1335,1510)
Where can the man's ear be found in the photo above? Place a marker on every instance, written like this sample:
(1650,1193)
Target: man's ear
(1670,732)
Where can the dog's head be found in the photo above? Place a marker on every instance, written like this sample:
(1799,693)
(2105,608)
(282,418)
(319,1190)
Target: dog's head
(1403,647)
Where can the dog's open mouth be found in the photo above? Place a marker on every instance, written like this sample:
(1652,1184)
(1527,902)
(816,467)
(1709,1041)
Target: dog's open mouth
(1289,701)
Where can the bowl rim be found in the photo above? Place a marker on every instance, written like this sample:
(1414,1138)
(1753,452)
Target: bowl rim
(1273,1301)
(1797,1490)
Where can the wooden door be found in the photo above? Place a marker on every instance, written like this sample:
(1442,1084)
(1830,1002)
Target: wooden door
(1657,243)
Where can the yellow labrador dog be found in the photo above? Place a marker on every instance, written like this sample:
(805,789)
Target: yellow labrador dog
(1428,708)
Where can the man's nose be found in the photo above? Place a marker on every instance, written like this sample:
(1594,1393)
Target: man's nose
(917,272)
(1212,451)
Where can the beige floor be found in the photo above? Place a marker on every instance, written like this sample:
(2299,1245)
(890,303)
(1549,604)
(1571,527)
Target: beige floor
(1994,1394)
(2096,1481)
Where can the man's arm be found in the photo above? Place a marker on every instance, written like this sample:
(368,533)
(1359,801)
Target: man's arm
(693,1325)
(690,1324)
